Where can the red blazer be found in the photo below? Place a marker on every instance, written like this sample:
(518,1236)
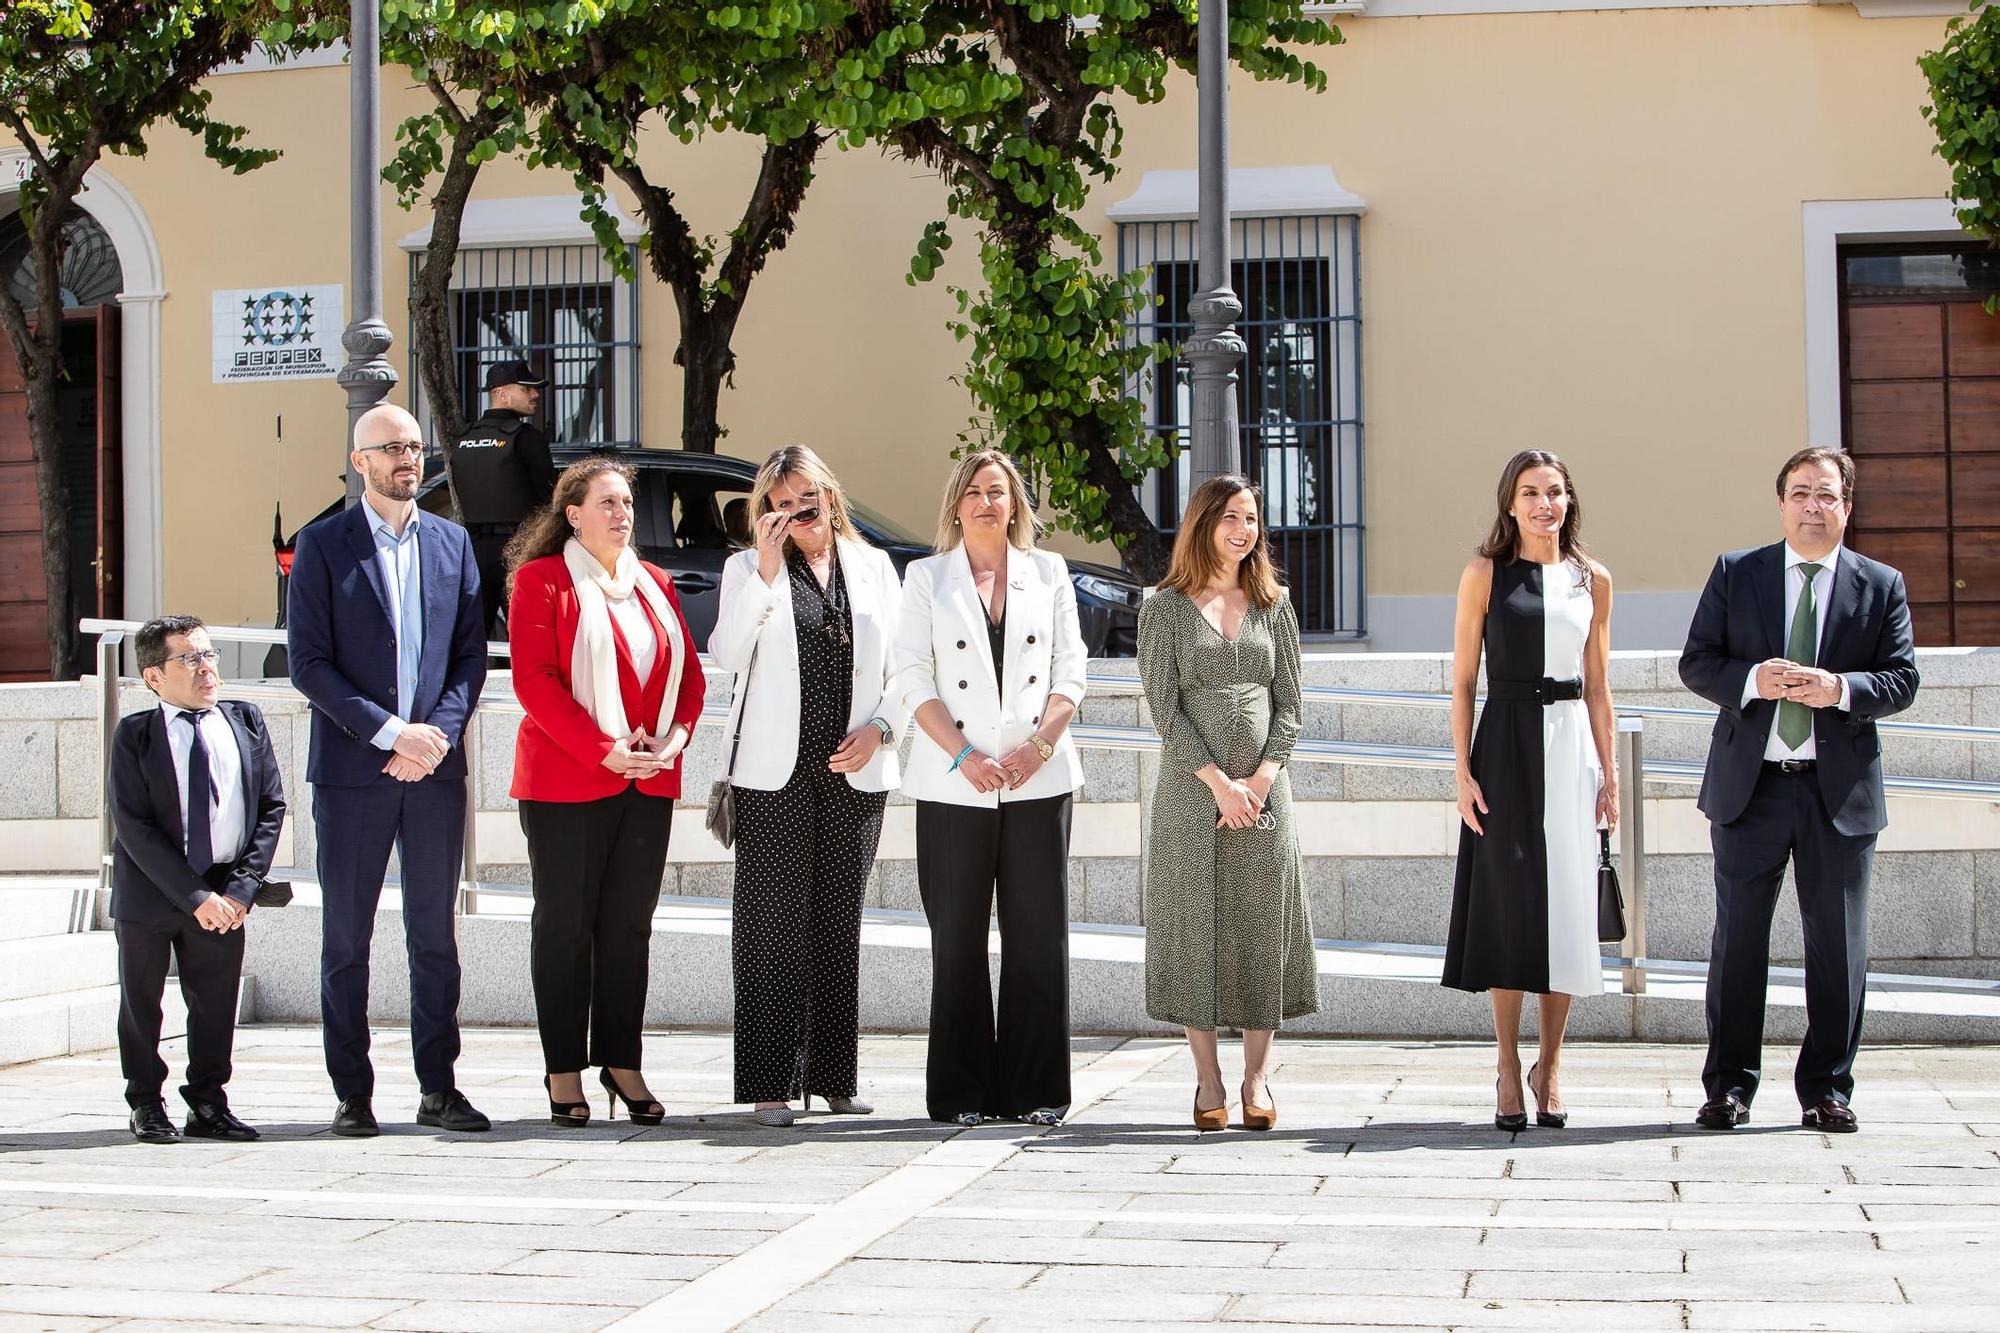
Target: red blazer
(559,751)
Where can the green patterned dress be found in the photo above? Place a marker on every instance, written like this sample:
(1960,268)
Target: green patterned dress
(1228,942)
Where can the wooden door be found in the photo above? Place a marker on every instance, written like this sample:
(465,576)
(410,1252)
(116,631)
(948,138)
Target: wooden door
(1921,398)
(108,563)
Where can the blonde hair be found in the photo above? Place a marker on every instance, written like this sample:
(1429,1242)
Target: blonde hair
(1195,562)
(1022,525)
(797,460)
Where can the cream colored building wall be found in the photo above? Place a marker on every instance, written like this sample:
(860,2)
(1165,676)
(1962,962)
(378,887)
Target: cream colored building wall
(1583,234)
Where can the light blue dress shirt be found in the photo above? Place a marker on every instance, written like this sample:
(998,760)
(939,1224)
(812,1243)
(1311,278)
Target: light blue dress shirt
(403,578)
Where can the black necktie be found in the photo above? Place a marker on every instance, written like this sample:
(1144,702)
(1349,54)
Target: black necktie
(201,796)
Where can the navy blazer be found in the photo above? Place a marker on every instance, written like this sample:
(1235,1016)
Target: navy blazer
(150,877)
(342,643)
(1865,639)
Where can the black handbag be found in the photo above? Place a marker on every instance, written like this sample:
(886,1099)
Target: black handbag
(1610,897)
(721,817)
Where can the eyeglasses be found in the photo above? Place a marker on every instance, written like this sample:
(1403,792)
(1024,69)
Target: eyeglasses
(197,658)
(406,449)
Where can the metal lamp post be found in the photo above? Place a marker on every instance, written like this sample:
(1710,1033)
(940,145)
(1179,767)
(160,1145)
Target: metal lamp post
(1214,350)
(367,375)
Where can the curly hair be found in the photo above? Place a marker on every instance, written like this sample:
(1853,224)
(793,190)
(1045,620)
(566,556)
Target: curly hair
(546,530)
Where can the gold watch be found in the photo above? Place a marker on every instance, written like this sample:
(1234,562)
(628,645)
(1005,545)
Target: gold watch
(1042,747)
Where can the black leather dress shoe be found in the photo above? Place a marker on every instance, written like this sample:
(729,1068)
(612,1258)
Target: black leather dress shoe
(209,1121)
(1724,1112)
(355,1119)
(1830,1115)
(150,1124)
(450,1110)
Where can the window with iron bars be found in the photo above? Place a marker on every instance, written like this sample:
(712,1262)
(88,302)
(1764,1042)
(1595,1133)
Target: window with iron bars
(1298,394)
(563,310)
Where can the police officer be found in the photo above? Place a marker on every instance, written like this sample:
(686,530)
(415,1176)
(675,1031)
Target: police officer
(502,470)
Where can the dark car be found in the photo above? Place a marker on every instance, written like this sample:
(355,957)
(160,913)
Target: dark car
(692,514)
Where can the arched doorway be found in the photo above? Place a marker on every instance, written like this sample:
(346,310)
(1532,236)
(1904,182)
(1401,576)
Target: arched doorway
(89,410)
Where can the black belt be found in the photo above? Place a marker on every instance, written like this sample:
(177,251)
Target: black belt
(1791,765)
(1544,691)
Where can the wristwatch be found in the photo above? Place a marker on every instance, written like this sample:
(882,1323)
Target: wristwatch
(1042,747)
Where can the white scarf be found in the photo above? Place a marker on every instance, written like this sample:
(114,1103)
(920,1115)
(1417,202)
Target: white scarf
(593,662)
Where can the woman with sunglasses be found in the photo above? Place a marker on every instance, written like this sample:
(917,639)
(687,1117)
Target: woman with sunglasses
(805,620)
(1228,943)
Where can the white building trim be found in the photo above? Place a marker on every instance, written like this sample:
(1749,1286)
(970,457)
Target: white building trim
(1827,223)
(1254,192)
(124,221)
(259,61)
(543,219)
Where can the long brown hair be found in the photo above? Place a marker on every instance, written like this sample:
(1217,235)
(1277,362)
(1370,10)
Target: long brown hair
(1503,541)
(546,530)
(1195,562)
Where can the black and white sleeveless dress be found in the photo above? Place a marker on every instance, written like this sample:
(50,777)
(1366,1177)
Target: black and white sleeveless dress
(1524,907)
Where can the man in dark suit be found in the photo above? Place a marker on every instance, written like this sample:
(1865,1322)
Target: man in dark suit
(1803,646)
(196,807)
(386,641)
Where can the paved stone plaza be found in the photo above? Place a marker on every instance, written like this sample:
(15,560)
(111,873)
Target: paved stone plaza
(1380,1201)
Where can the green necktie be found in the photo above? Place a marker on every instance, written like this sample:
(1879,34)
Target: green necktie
(1795,719)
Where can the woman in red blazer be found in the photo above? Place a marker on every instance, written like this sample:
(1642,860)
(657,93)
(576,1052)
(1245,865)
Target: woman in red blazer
(609,678)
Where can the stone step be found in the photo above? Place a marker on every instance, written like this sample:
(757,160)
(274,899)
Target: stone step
(42,1027)
(33,907)
(56,964)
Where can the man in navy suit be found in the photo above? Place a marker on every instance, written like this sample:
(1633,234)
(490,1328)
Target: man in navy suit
(196,807)
(1803,646)
(386,642)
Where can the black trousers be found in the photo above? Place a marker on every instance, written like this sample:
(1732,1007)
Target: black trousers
(211,965)
(489,549)
(966,857)
(803,854)
(595,867)
(1787,820)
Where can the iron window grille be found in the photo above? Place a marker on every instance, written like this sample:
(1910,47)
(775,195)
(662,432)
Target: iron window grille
(563,310)
(1298,394)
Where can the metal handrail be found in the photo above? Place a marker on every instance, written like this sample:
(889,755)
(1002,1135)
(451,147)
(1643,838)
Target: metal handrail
(1630,741)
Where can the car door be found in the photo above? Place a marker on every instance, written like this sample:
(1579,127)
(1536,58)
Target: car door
(699,513)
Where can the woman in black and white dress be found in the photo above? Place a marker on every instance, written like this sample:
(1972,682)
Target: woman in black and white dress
(1538,779)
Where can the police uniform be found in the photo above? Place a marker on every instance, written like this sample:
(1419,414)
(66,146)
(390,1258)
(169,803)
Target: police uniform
(502,470)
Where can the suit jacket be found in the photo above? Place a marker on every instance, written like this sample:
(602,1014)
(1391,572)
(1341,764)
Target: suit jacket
(756,619)
(942,653)
(559,751)
(150,877)
(1865,638)
(342,641)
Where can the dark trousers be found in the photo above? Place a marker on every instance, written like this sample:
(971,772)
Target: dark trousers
(966,856)
(210,966)
(1786,820)
(489,550)
(803,854)
(595,867)
(356,827)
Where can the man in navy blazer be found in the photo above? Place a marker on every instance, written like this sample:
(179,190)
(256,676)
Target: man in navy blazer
(197,803)
(386,641)
(1803,646)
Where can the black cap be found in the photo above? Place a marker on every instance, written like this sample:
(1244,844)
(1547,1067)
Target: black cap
(512,372)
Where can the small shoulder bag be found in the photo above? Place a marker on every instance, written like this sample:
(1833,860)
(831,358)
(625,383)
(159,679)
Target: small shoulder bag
(721,818)
(1610,897)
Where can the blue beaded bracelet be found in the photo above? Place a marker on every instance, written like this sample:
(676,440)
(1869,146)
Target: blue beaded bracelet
(959,760)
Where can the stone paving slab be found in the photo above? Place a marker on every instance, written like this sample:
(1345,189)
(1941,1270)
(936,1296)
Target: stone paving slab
(1384,1199)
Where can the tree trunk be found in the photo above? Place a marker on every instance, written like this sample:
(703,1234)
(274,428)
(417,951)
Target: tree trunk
(1146,551)
(53,491)
(705,363)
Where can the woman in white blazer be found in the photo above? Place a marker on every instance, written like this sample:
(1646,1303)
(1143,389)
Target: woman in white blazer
(990,665)
(806,620)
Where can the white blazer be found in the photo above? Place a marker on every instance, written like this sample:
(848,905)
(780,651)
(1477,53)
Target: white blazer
(942,653)
(752,615)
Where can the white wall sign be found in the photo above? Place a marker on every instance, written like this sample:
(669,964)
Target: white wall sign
(277,333)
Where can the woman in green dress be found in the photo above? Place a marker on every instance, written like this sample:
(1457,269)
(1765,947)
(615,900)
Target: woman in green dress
(1228,943)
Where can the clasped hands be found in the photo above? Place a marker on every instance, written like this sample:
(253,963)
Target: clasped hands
(1239,802)
(1012,770)
(418,750)
(1782,678)
(220,914)
(639,755)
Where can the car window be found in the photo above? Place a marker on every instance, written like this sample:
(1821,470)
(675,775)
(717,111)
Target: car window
(711,513)
(652,512)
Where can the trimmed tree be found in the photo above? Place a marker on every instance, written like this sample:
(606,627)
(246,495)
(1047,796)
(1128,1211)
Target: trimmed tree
(79,81)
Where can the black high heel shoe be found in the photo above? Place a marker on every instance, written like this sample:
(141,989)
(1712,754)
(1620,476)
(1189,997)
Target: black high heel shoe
(1544,1117)
(570,1115)
(641,1113)
(1513,1122)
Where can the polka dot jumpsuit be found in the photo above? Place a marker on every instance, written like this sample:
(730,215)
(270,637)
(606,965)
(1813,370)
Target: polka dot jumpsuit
(803,853)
